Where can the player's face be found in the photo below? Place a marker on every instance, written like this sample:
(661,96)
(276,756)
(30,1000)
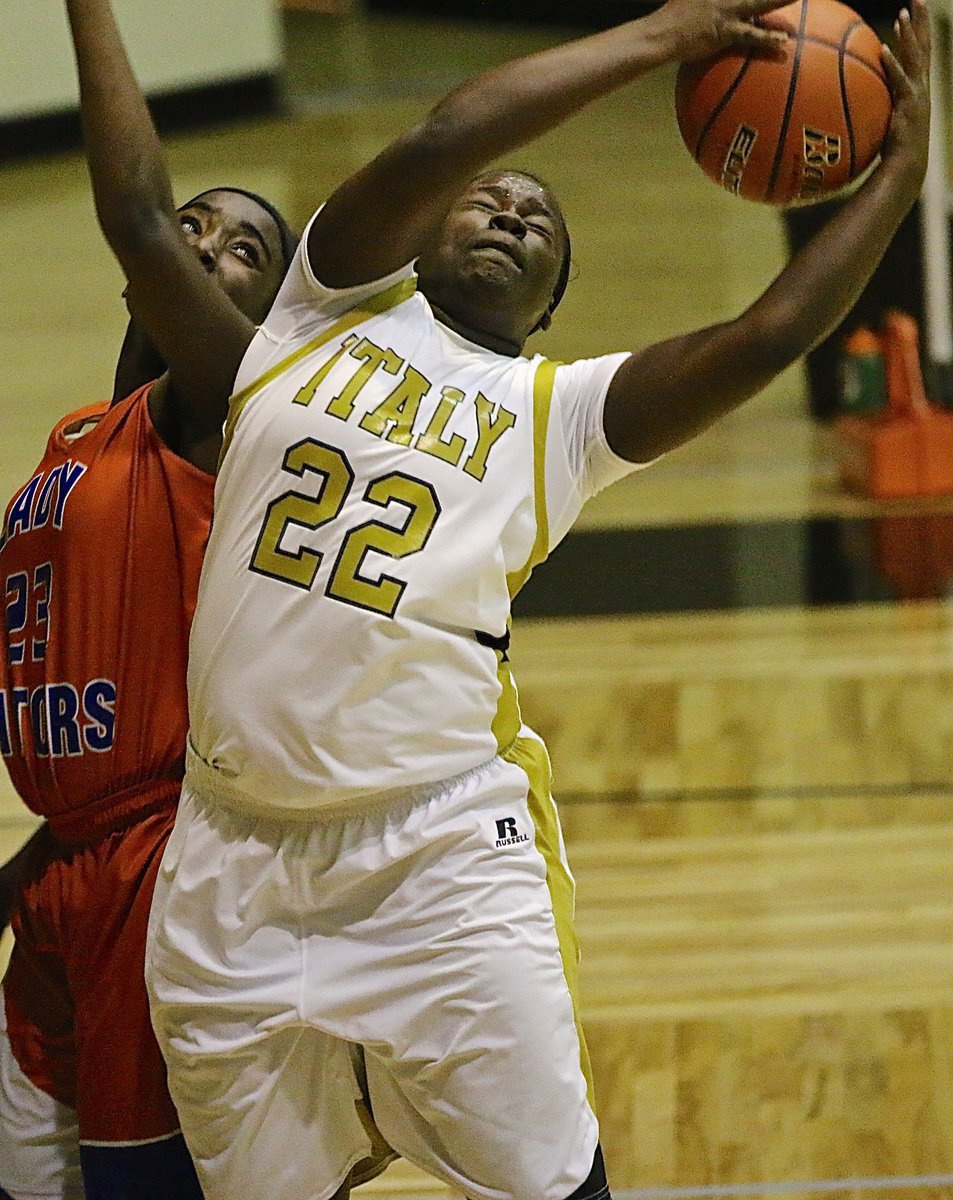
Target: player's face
(496,258)
(238,242)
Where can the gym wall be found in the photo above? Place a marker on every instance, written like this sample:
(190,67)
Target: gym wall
(176,47)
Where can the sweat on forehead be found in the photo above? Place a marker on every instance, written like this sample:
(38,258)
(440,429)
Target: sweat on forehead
(506,179)
(511,178)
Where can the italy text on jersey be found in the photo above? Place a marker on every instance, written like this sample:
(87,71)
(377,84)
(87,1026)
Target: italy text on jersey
(393,420)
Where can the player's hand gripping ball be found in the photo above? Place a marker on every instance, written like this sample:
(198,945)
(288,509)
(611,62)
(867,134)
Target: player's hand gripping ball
(796,127)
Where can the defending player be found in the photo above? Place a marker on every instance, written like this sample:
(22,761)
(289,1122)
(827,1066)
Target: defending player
(100,554)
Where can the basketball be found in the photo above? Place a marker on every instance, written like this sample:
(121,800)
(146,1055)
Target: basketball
(795,128)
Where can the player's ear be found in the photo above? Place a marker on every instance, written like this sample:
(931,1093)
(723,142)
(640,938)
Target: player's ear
(545,320)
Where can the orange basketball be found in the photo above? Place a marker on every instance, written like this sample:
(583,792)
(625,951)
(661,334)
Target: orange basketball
(791,129)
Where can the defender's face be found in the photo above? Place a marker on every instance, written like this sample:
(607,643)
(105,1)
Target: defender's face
(502,239)
(238,242)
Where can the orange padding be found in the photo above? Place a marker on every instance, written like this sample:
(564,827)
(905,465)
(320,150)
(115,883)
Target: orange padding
(907,450)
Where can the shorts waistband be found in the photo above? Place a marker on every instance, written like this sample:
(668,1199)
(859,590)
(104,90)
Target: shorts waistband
(115,812)
(210,786)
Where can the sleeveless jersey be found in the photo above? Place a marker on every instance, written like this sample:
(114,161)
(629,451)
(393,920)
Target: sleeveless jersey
(100,556)
(386,487)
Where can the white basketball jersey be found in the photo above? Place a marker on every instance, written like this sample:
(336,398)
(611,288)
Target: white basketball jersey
(386,487)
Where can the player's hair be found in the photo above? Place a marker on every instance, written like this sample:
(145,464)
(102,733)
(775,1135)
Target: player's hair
(289,239)
(562,279)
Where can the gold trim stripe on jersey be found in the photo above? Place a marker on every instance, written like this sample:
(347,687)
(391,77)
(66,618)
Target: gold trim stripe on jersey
(373,307)
(508,721)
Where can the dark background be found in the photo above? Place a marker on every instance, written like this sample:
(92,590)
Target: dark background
(586,13)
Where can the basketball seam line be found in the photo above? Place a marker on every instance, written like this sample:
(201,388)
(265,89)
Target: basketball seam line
(720,107)
(852,55)
(842,76)
(788,105)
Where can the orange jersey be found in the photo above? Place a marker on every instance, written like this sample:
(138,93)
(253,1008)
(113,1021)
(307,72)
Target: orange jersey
(100,556)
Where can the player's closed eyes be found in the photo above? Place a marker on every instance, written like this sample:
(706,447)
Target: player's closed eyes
(541,227)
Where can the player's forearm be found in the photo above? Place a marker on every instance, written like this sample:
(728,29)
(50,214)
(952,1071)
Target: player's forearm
(825,279)
(671,392)
(511,105)
(126,163)
(410,185)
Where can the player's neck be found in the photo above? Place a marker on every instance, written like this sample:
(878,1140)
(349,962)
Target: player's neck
(481,337)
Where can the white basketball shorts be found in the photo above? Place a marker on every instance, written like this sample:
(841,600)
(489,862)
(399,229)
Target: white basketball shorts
(416,955)
(39,1137)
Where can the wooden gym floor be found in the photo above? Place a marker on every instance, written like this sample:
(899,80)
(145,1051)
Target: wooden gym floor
(745,675)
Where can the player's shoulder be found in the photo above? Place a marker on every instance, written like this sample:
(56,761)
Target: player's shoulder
(75,425)
(104,417)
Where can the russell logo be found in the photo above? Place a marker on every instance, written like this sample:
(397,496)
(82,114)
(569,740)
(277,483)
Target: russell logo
(507,832)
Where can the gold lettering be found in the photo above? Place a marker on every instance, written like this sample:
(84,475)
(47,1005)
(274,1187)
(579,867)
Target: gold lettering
(372,358)
(399,409)
(430,440)
(489,431)
(306,394)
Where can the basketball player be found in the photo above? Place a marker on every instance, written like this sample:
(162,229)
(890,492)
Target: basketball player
(366,879)
(100,553)
(137,365)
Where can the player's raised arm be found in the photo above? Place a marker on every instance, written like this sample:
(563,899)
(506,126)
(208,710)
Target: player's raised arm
(382,216)
(172,293)
(671,391)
